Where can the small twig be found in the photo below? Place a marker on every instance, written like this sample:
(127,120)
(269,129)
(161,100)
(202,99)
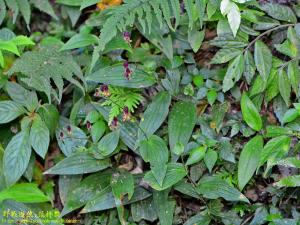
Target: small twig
(266,32)
(246,220)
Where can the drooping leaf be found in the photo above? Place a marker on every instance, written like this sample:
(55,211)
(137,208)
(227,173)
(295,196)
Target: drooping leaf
(9,111)
(249,160)
(39,136)
(108,143)
(16,157)
(24,192)
(250,113)
(80,40)
(263,59)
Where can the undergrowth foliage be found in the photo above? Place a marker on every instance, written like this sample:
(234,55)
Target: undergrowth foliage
(149,112)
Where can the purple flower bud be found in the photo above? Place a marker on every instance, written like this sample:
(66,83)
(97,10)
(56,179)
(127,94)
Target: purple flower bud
(114,122)
(61,135)
(69,129)
(127,73)
(104,90)
(125,64)
(126,36)
(126,114)
(88,125)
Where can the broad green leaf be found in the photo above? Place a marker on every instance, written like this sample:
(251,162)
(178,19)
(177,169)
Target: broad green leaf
(70,141)
(249,160)
(21,40)
(9,46)
(22,96)
(214,187)
(164,206)
(290,181)
(24,192)
(196,155)
(273,151)
(155,114)
(275,131)
(182,120)
(284,86)
(66,184)
(175,172)
(143,210)
(289,162)
(117,43)
(86,191)
(290,115)
(39,136)
(78,163)
(105,200)
(234,18)
(200,218)
(178,149)
(114,75)
(250,113)
(263,59)
(25,10)
(210,159)
(279,12)
(294,75)
(9,111)
(212,96)
(80,40)
(234,73)
(108,143)
(122,183)
(16,157)
(225,54)
(195,39)
(155,151)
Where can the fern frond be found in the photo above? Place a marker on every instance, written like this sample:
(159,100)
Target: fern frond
(144,11)
(120,98)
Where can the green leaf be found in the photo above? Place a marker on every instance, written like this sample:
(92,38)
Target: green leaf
(234,73)
(9,46)
(143,210)
(45,7)
(225,54)
(16,157)
(212,96)
(122,184)
(214,187)
(9,111)
(200,218)
(284,86)
(109,143)
(279,12)
(274,150)
(290,115)
(24,192)
(155,151)
(294,75)
(117,43)
(263,59)
(114,75)
(78,163)
(155,114)
(97,130)
(165,207)
(249,67)
(290,181)
(46,66)
(86,191)
(249,160)
(182,120)
(178,149)
(175,172)
(50,116)
(196,155)
(39,136)
(195,39)
(80,40)
(87,3)
(250,113)
(22,96)
(22,40)
(210,159)
(234,18)
(25,10)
